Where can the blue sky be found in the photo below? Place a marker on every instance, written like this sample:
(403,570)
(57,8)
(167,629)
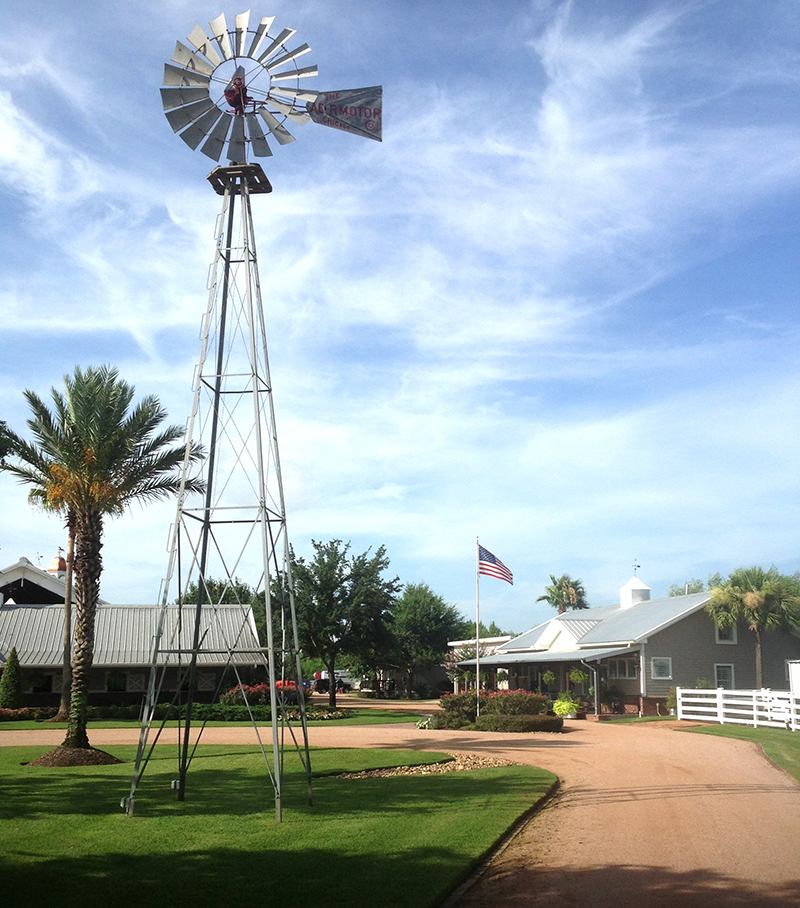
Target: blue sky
(556,308)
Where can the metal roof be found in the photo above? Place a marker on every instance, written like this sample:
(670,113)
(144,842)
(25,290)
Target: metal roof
(642,619)
(124,634)
(609,625)
(540,656)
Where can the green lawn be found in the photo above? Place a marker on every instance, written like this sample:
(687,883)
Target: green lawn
(780,745)
(355,716)
(403,841)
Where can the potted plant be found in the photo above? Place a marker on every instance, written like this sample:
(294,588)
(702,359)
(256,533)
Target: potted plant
(672,701)
(566,705)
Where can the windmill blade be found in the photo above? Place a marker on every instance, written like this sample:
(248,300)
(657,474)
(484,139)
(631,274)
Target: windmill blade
(201,128)
(302,94)
(296,116)
(280,132)
(292,55)
(281,39)
(186,78)
(257,138)
(242,24)
(263,28)
(236,153)
(177,97)
(190,60)
(183,116)
(297,74)
(213,145)
(202,44)
(219,31)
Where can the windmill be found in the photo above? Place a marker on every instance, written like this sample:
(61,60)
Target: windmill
(235,91)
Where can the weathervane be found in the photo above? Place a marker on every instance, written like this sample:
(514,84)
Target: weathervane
(236,89)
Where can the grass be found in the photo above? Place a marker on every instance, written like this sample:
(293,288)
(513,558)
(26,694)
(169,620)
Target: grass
(780,745)
(355,716)
(403,841)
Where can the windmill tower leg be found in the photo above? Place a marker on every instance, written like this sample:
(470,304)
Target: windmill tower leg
(240,527)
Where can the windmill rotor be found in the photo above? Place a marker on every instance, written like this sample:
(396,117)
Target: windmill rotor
(236,88)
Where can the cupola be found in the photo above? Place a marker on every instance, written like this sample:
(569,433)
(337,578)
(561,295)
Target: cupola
(633,592)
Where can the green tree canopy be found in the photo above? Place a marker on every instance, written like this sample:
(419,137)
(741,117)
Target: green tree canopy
(564,593)
(343,605)
(423,625)
(92,456)
(695,586)
(493,630)
(762,600)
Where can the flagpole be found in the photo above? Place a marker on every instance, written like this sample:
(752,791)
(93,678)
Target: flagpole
(478,625)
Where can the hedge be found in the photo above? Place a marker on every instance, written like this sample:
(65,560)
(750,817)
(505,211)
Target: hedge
(518,723)
(461,709)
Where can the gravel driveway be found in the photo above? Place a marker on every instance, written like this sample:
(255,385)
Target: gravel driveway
(645,815)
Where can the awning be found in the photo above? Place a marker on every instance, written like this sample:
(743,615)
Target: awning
(502,660)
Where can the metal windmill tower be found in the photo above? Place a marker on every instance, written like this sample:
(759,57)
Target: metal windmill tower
(233,92)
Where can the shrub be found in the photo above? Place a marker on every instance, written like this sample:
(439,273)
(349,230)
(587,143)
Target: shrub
(258,694)
(27,714)
(518,723)
(515,703)
(566,703)
(11,682)
(461,709)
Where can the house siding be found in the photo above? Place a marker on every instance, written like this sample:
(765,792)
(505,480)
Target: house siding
(692,646)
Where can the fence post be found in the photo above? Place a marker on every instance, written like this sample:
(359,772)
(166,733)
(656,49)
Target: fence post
(678,704)
(720,706)
(755,709)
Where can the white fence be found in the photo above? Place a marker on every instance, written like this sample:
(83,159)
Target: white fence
(771,708)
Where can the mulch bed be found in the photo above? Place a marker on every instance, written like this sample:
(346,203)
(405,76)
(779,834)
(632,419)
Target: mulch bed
(459,763)
(75,756)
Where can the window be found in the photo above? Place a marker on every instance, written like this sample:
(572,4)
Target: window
(622,668)
(727,634)
(41,683)
(661,668)
(723,676)
(116,682)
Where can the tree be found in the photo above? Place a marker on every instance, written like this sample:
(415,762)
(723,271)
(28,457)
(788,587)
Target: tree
(6,443)
(564,593)
(91,457)
(343,605)
(694,586)
(763,600)
(423,625)
(38,496)
(232,592)
(11,682)
(492,631)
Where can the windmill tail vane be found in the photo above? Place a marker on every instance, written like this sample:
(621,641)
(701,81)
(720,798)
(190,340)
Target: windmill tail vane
(240,87)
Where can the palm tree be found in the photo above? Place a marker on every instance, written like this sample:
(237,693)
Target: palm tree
(763,600)
(564,593)
(92,456)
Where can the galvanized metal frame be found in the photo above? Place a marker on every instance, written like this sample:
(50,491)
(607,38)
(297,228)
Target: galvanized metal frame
(227,534)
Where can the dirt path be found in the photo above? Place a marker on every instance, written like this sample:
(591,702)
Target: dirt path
(645,815)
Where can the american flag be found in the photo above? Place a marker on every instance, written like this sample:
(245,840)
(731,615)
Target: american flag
(493,567)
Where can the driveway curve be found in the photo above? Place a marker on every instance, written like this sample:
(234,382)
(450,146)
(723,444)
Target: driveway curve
(645,816)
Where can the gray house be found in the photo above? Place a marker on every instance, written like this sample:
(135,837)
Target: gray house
(32,620)
(641,648)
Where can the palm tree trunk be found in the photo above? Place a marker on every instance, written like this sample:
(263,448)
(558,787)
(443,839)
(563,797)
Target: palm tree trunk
(88,566)
(66,668)
(759,672)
